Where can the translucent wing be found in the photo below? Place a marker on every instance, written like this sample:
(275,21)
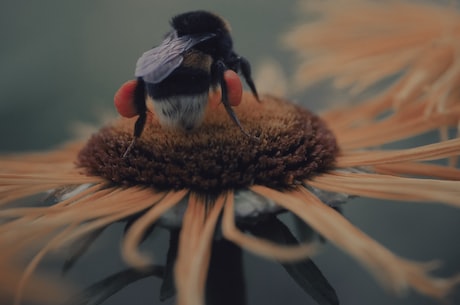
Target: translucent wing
(156,64)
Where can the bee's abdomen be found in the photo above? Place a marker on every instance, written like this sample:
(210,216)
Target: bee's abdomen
(183,112)
(183,81)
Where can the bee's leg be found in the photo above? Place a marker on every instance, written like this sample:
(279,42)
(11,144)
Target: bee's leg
(219,70)
(141,109)
(246,71)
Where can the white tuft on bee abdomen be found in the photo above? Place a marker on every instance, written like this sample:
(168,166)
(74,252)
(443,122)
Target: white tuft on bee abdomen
(184,112)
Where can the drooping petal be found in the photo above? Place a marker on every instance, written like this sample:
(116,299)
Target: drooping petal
(395,273)
(390,187)
(195,250)
(260,246)
(136,231)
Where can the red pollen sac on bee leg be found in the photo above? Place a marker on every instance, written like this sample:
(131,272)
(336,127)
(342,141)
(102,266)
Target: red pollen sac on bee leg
(124,99)
(234,90)
(234,87)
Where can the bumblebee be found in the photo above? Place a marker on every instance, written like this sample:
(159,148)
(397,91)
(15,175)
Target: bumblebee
(179,73)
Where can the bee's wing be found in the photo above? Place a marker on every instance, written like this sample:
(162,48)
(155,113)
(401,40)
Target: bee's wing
(156,64)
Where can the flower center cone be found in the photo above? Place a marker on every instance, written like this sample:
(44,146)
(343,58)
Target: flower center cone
(288,145)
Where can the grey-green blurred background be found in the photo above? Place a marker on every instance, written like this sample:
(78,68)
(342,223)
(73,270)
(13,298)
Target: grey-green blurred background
(62,61)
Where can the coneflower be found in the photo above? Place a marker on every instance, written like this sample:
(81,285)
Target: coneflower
(195,183)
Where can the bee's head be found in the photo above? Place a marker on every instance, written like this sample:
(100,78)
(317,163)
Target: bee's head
(199,22)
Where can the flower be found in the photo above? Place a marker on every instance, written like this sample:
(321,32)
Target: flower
(301,163)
